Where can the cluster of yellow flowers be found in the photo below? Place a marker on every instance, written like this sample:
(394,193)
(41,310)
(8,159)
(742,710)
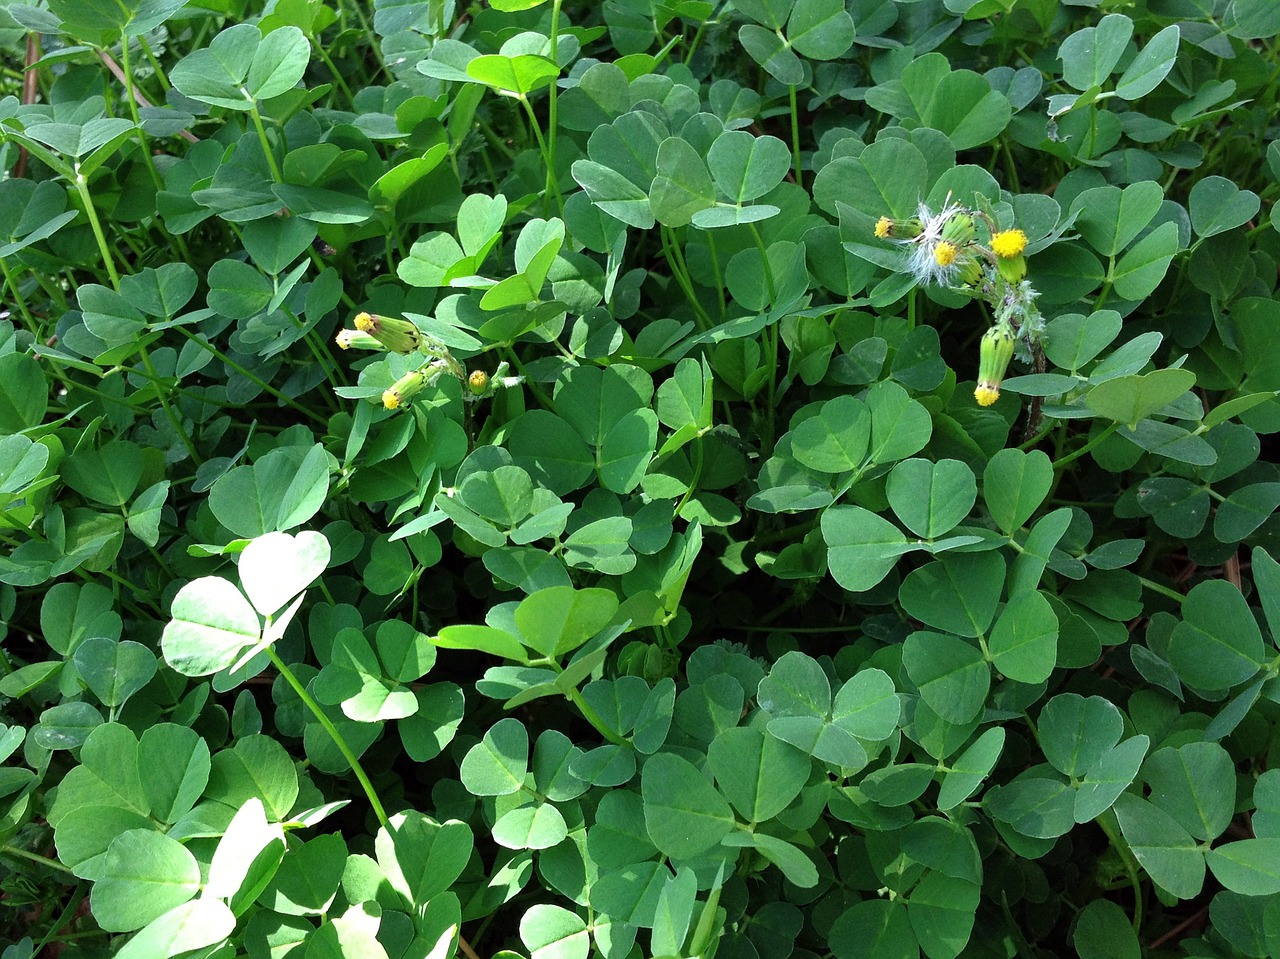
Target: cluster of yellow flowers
(945,250)
(393,335)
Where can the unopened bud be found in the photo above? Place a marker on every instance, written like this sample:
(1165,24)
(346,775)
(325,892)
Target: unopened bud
(478,382)
(398,336)
(404,388)
(993,360)
(958,229)
(357,340)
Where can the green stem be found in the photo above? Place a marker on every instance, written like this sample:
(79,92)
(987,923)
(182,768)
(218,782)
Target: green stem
(1110,826)
(11,285)
(591,716)
(256,380)
(547,158)
(680,272)
(266,144)
(169,413)
(795,135)
(332,730)
(552,103)
(1162,590)
(7,850)
(1075,455)
(82,188)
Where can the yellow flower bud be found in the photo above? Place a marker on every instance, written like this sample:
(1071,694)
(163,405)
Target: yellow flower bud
(478,382)
(404,388)
(356,339)
(993,360)
(398,336)
(884,228)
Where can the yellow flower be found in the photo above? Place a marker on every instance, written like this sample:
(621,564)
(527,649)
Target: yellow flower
(347,339)
(993,360)
(1008,243)
(884,228)
(986,394)
(404,388)
(945,253)
(398,336)
(478,382)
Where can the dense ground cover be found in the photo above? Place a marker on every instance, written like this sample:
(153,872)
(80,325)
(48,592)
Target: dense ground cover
(780,478)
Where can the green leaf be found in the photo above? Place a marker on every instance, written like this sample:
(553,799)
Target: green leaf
(144,876)
(862,546)
(1151,65)
(683,813)
(967,772)
(1218,205)
(626,450)
(759,774)
(1109,217)
(769,50)
(959,595)
(835,439)
(942,911)
(746,167)
(539,826)
(1195,784)
(1109,777)
(874,929)
(557,621)
(184,928)
(1089,55)
(1248,866)
(931,498)
(1024,642)
(951,674)
(683,185)
(1128,399)
(1168,853)
(308,878)
(112,670)
(212,625)
(276,567)
(1103,931)
(23,397)
(1142,268)
(1014,484)
(283,489)
(498,764)
(552,932)
(173,766)
(900,426)
(820,29)
(515,76)
(420,857)
(1076,732)
(1218,644)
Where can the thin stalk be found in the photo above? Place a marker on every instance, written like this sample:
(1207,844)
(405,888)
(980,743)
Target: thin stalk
(332,730)
(266,144)
(256,380)
(7,850)
(1109,826)
(591,716)
(1076,454)
(680,271)
(169,413)
(1162,590)
(552,103)
(547,158)
(795,135)
(19,300)
(82,188)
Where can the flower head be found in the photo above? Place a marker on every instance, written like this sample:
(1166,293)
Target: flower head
(993,360)
(884,228)
(398,336)
(478,382)
(1008,243)
(404,388)
(945,253)
(356,339)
